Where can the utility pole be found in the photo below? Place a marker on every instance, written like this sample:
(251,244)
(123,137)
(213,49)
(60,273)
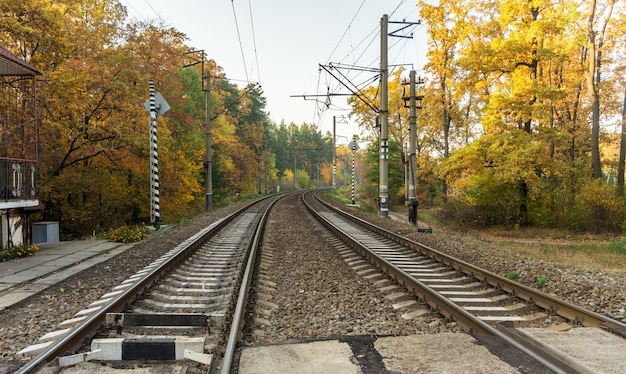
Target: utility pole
(258,162)
(406,172)
(265,164)
(334,153)
(383,111)
(383,167)
(415,102)
(208,164)
(412,160)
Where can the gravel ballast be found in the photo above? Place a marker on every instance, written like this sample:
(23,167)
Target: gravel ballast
(317,294)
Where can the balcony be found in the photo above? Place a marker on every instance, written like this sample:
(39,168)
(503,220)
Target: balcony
(18,184)
(18,132)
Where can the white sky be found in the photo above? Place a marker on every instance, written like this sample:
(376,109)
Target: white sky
(292,38)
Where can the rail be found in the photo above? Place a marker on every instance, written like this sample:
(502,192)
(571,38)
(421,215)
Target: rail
(242,301)
(468,322)
(90,326)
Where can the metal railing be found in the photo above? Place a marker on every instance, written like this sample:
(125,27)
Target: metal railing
(18,180)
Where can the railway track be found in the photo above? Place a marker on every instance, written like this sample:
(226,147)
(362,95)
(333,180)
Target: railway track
(196,297)
(190,301)
(482,303)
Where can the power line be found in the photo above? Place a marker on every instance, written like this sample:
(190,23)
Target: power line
(256,56)
(361,49)
(232,2)
(155,12)
(134,9)
(344,33)
(397,7)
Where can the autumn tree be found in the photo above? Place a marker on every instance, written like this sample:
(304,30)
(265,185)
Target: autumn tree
(524,63)
(94,170)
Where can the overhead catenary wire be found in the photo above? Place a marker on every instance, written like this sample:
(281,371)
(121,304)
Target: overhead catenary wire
(256,55)
(243,57)
(137,13)
(354,56)
(155,12)
(345,32)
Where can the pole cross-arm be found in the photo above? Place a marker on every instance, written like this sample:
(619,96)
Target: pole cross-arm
(354,91)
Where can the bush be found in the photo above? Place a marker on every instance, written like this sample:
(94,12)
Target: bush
(599,208)
(18,251)
(125,234)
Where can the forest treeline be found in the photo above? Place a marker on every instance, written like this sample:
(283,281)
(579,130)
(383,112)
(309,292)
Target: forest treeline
(519,102)
(521,113)
(96,64)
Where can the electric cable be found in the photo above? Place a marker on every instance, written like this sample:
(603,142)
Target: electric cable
(256,55)
(155,12)
(232,2)
(137,13)
(397,7)
(366,43)
(344,33)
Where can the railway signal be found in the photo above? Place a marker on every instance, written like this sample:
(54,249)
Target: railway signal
(156,106)
(353,147)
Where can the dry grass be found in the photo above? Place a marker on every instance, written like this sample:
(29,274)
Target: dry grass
(563,247)
(590,255)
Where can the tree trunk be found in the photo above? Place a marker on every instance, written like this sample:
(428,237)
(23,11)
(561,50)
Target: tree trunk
(592,87)
(622,150)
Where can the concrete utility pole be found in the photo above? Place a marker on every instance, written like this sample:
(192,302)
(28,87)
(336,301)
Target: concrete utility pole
(208,164)
(412,160)
(258,162)
(383,167)
(208,167)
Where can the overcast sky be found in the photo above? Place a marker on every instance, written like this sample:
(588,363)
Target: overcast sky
(284,41)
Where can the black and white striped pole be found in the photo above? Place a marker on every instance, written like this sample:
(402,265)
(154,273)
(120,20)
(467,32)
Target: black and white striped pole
(155,208)
(156,106)
(353,146)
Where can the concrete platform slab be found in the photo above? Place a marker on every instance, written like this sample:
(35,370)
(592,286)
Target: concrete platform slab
(307,358)
(439,353)
(54,262)
(592,348)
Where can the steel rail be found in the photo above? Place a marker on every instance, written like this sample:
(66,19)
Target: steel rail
(468,322)
(565,309)
(90,326)
(237,324)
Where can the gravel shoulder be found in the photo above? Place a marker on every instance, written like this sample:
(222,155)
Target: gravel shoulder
(319,295)
(600,291)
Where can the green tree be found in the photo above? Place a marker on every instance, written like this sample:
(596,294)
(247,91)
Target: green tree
(396,171)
